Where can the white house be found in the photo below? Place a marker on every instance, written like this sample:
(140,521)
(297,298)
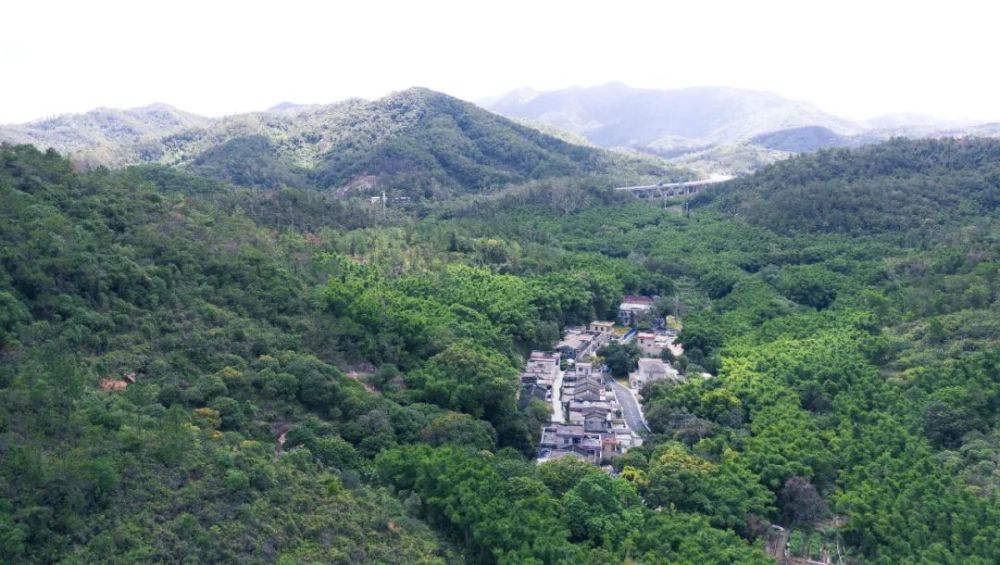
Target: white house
(633,307)
(651,370)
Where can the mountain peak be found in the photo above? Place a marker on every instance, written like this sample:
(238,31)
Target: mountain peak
(418,93)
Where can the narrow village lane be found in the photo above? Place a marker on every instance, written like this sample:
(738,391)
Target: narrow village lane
(631,411)
(557,407)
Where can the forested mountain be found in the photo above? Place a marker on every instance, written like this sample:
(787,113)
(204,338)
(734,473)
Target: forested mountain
(736,159)
(806,139)
(246,434)
(444,142)
(192,371)
(105,136)
(902,186)
(415,143)
(107,275)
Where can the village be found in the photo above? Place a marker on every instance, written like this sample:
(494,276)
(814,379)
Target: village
(594,417)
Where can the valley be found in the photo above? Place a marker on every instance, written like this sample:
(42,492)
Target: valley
(839,322)
(309,283)
(241,351)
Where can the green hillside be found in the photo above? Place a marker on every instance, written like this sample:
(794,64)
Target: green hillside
(902,186)
(106,136)
(738,159)
(453,144)
(855,366)
(237,335)
(806,139)
(316,380)
(103,275)
(251,161)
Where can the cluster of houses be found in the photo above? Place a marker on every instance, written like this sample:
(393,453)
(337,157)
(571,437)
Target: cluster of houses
(651,367)
(588,423)
(580,343)
(587,420)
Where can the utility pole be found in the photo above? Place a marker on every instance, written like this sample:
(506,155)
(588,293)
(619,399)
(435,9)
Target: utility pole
(383,205)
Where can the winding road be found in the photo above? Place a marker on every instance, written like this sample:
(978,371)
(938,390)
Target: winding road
(631,411)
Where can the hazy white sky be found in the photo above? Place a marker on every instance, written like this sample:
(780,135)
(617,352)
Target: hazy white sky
(854,58)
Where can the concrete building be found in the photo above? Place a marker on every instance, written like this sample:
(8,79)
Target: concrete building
(601,327)
(647,344)
(541,369)
(633,307)
(579,343)
(652,344)
(651,370)
(570,438)
(545,362)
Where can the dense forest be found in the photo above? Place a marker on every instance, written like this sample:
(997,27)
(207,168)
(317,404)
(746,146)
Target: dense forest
(199,372)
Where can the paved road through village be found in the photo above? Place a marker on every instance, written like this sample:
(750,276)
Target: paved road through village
(557,407)
(630,408)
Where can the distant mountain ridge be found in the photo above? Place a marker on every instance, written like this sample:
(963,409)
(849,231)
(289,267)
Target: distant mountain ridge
(417,141)
(711,129)
(616,115)
(431,143)
(104,135)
